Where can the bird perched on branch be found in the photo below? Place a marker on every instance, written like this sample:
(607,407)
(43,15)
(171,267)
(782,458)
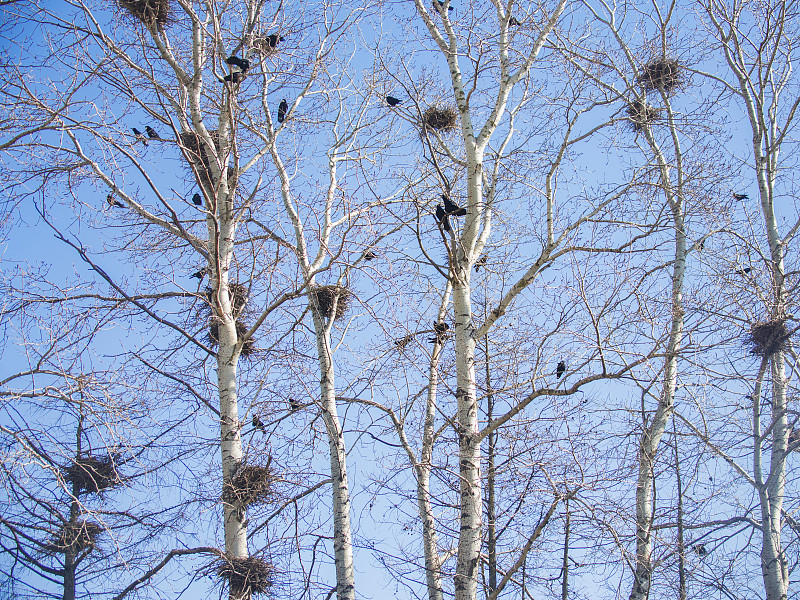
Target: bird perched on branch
(442,218)
(242,63)
(294,404)
(139,136)
(259,424)
(481,262)
(392,101)
(283,107)
(440,5)
(561,369)
(201,273)
(273,39)
(700,549)
(151,133)
(197,199)
(514,22)
(451,208)
(744,271)
(740,196)
(112,202)
(440,328)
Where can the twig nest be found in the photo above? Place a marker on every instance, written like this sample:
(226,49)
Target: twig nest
(251,485)
(440,119)
(150,12)
(768,337)
(328,295)
(641,114)
(238,293)
(248,348)
(75,537)
(200,158)
(92,474)
(245,576)
(661,74)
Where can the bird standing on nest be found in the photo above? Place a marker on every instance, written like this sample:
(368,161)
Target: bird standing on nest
(283,107)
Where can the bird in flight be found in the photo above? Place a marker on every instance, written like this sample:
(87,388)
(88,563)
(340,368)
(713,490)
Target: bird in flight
(441,217)
(283,107)
(451,208)
(744,270)
(561,369)
(151,133)
(139,136)
(197,200)
(392,101)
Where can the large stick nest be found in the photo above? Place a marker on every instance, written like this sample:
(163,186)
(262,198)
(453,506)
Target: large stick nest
(641,114)
(75,537)
(768,337)
(245,576)
(440,119)
(150,12)
(251,485)
(92,474)
(661,74)
(238,293)
(248,348)
(200,157)
(328,295)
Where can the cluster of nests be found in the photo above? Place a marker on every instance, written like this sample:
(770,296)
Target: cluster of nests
(440,119)
(662,74)
(152,13)
(75,537)
(239,295)
(768,337)
(330,295)
(251,485)
(246,576)
(200,158)
(92,474)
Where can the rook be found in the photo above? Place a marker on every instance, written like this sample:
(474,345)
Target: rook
(442,217)
(259,424)
(282,108)
(561,369)
(451,208)
(151,133)
(392,101)
(139,136)
(112,202)
(197,200)
(740,196)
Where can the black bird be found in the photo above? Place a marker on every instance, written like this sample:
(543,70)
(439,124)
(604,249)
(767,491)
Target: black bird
(744,271)
(481,262)
(440,5)
(139,136)
(294,404)
(197,200)
(369,255)
(514,22)
(273,39)
(242,63)
(112,202)
(451,208)
(201,273)
(233,77)
(700,549)
(440,329)
(392,101)
(282,108)
(740,196)
(561,369)
(442,217)
(151,133)
(259,424)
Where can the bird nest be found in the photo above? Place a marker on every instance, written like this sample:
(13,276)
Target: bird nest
(246,576)
(75,537)
(440,119)
(237,292)
(150,12)
(767,338)
(252,484)
(248,348)
(641,114)
(200,158)
(328,295)
(263,45)
(92,474)
(661,74)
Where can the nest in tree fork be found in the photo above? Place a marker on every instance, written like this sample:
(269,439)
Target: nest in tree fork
(768,337)
(440,119)
(641,114)
(661,74)
(92,474)
(200,158)
(248,348)
(75,537)
(251,485)
(150,12)
(238,294)
(328,295)
(245,576)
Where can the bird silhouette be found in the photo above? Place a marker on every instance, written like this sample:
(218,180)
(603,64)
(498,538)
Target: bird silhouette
(282,108)
(112,202)
(440,328)
(440,5)
(369,255)
(514,22)
(139,136)
(700,549)
(561,369)
(259,424)
(442,217)
(197,200)
(242,63)
(201,273)
(451,208)
(273,39)
(294,404)
(740,196)
(481,262)
(151,133)
(392,101)
(744,271)
(234,77)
